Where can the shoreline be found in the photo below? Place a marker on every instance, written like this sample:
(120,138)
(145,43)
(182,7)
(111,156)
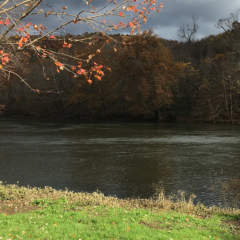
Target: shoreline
(18,193)
(34,213)
(61,119)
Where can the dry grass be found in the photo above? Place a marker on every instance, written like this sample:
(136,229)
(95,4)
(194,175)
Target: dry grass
(14,199)
(231,190)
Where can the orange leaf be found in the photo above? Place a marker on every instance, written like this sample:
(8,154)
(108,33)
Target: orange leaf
(109,69)
(98,77)
(58,64)
(20,43)
(160,5)
(90,81)
(35,26)
(81,71)
(145,19)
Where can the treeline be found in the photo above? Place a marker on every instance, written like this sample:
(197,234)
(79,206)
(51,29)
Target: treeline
(211,90)
(145,77)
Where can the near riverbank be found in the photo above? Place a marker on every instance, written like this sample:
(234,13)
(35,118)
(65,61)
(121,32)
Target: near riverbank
(33,213)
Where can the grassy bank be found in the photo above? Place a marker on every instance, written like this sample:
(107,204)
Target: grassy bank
(31,213)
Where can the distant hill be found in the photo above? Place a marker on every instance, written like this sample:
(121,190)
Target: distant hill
(150,78)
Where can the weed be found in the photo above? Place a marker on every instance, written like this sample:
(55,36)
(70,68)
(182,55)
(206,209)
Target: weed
(45,213)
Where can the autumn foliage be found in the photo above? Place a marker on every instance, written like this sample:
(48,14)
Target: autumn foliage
(22,18)
(135,81)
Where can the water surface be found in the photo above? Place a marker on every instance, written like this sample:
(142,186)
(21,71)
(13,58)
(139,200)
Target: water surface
(122,159)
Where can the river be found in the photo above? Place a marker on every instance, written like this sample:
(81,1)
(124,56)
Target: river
(122,159)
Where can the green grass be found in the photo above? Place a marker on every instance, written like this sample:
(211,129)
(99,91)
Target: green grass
(66,215)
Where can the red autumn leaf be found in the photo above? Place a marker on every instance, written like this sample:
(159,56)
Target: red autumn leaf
(52,37)
(100,72)
(28,25)
(66,45)
(131,24)
(79,64)
(26,38)
(5,59)
(81,71)
(6,22)
(21,29)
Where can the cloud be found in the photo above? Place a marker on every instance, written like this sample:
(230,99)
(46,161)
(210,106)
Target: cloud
(166,23)
(178,12)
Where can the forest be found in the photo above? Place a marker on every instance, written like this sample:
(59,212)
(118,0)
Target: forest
(135,77)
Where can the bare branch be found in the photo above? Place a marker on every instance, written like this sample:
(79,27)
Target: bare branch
(24,15)
(14,6)
(188,31)
(229,23)
(4,3)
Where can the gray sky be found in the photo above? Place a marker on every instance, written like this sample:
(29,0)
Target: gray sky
(174,14)
(207,12)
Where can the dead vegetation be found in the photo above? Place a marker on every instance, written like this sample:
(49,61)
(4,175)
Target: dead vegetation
(17,199)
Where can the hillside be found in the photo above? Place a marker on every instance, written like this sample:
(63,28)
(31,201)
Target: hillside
(145,78)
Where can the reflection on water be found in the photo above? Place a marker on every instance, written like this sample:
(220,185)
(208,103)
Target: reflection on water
(126,160)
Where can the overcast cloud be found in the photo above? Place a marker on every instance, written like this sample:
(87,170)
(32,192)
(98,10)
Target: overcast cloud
(174,13)
(207,12)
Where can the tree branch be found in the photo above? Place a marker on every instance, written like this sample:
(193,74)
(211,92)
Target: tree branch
(24,15)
